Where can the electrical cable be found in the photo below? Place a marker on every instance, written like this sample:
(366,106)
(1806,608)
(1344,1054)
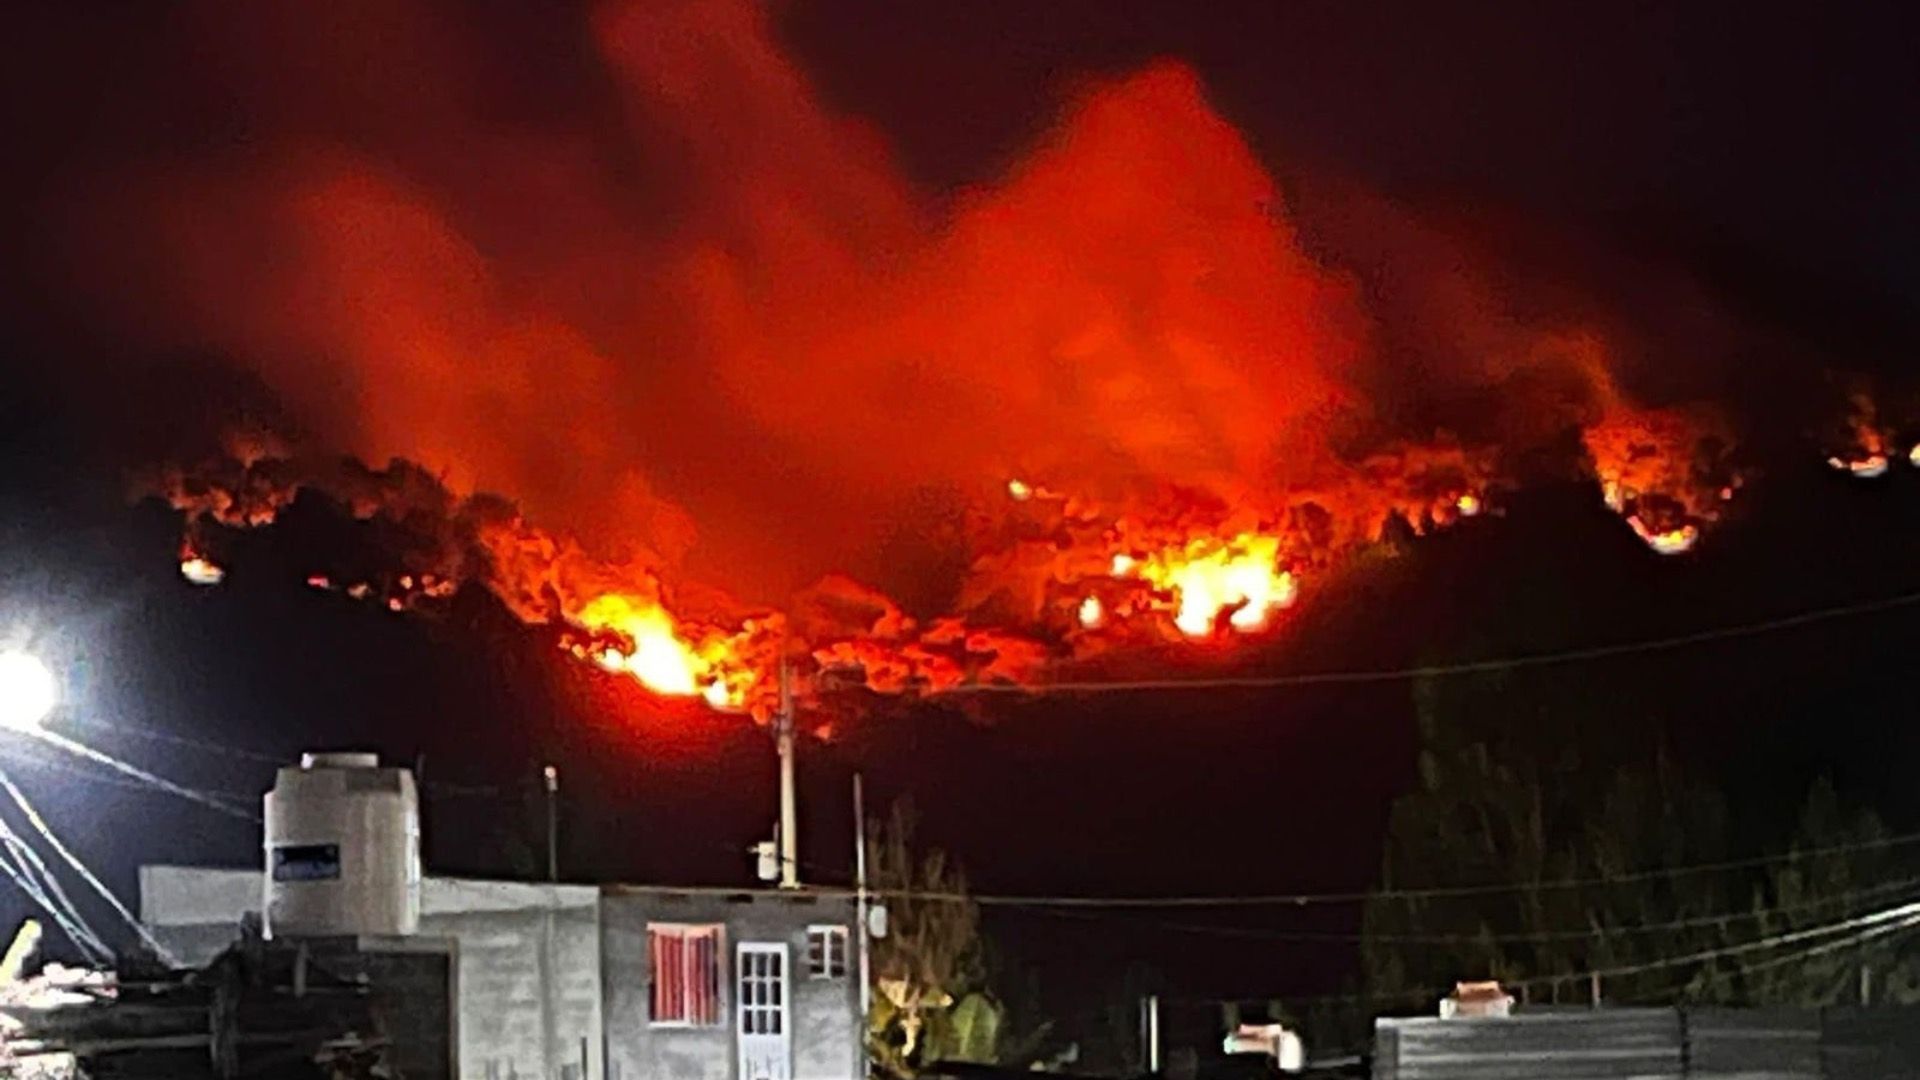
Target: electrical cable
(1435,892)
(46,832)
(53,890)
(141,731)
(1872,925)
(1899,917)
(13,866)
(1438,671)
(435,787)
(1310,899)
(40,763)
(1519,937)
(157,782)
(20,862)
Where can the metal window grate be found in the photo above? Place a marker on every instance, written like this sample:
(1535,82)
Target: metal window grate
(826,952)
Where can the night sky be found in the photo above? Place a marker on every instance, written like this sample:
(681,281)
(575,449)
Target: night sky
(1760,153)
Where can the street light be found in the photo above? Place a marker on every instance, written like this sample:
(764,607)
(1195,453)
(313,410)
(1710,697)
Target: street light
(28,691)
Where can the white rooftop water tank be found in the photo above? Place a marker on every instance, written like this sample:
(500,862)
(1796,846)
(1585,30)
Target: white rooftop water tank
(343,848)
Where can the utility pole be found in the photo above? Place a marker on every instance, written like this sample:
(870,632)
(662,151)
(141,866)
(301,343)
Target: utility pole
(860,898)
(789,824)
(552,776)
(549,962)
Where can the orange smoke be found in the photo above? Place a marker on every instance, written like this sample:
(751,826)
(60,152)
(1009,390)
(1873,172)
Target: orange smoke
(712,299)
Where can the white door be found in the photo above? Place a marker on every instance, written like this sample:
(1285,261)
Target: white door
(764,1022)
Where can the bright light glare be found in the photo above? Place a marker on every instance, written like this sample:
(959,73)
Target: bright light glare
(27,691)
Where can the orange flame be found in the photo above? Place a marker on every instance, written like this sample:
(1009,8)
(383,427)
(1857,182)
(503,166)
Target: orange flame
(1868,456)
(1206,578)
(1663,470)
(653,651)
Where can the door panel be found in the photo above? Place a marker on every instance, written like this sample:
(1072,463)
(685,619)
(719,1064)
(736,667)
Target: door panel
(762,1016)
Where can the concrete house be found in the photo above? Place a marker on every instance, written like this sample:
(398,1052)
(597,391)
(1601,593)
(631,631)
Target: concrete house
(719,985)
(617,982)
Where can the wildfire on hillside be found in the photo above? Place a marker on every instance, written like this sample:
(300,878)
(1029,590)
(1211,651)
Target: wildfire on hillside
(1158,407)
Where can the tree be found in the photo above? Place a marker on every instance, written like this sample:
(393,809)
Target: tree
(1504,795)
(930,1002)
(1839,866)
(1539,800)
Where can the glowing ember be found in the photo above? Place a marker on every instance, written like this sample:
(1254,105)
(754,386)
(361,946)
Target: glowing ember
(1468,505)
(1092,612)
(1019,490)
(201,571)
(1669,542)
(1866,468)
(1207,577)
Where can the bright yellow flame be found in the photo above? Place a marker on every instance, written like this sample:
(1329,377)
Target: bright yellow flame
(1209,576)
(660,659)
(1019,490)
(1468,504)
(202,571)
(1092,612)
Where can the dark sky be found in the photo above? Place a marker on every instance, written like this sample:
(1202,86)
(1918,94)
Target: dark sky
(1764,150)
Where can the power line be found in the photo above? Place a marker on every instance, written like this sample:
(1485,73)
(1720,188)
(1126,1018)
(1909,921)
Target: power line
(1470,667)
(1435,892)
(442,788)
(53,841)
(158,782)
(1889,919)
(1871,925)
(42,763)
(141,731)
(31,874)
(1517,937)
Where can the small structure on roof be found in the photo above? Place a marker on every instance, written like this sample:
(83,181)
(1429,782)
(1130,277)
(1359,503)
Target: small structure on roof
(1473,999)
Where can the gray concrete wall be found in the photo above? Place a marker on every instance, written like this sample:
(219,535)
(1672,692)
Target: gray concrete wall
(826,1026)
(529,960)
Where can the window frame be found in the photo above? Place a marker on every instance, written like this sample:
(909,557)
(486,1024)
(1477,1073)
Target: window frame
(828,933)
(688,932)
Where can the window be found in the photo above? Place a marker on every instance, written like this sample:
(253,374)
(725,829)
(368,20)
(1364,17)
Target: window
(685,965)
(826,952)
(306,862)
